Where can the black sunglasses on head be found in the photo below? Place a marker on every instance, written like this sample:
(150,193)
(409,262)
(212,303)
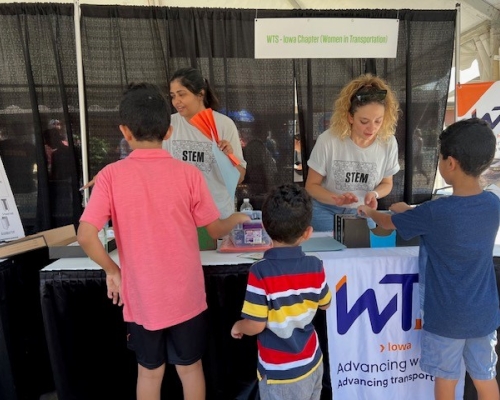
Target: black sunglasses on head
(365,94)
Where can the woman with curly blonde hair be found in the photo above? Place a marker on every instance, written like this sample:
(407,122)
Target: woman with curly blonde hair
(353,162)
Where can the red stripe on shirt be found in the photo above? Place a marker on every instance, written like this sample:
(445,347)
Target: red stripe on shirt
(280,357)
(293,282)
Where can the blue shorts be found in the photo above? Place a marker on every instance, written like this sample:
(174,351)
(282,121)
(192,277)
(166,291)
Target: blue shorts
(307,388)
(181,344)
(323,215)
(441,356)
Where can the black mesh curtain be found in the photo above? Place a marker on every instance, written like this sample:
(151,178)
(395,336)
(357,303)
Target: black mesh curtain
(420,76)
(120,45)
(131,44)
(38,84)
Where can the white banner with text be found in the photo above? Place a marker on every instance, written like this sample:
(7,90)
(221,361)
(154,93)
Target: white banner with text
(11,227)
(326,38)
(374,327)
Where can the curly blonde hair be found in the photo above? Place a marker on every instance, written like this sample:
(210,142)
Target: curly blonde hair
(339,123)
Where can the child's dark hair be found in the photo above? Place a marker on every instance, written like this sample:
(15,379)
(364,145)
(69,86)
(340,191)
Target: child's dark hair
(287,213)
(471,142)
(193,81)
(145,111)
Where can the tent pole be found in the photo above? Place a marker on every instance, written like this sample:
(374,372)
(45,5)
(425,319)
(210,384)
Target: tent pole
(81,99)
(457,59)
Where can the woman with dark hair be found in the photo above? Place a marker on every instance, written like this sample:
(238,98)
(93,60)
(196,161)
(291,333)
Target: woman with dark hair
(353,162)
(191,93)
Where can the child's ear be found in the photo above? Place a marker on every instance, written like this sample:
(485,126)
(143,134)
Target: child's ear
(126,132)
(169,133)
(307,233)
(453,163)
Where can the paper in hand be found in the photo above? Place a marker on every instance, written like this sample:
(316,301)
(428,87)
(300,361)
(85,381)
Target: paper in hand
(229,172)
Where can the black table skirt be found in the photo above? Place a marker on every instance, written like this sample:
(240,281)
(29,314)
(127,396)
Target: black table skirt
(86,338)
(25,372)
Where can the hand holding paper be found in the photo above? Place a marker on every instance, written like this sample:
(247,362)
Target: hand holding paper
(204,121)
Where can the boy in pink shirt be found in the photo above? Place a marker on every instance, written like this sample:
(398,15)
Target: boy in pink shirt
(156,204)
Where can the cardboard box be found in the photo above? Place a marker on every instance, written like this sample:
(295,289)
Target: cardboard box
(22,245)
(61,243)
(353,232)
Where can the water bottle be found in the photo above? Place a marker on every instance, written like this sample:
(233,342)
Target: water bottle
(246,206)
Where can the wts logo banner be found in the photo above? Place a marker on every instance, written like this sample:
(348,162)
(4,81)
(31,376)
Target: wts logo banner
(374,326)
(482,100)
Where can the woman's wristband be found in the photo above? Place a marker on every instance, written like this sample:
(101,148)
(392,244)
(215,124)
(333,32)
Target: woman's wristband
(376,193)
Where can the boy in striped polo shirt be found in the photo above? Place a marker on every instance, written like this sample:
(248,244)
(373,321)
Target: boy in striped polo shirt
(283,293)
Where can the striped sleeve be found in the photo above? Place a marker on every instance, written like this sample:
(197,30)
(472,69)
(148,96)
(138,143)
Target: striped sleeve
(325,296)
(255,306)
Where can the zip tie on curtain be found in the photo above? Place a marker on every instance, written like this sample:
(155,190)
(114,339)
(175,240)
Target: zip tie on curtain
(256,11)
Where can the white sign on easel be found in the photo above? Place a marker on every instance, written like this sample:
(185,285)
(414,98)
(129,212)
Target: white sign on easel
(11,227)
